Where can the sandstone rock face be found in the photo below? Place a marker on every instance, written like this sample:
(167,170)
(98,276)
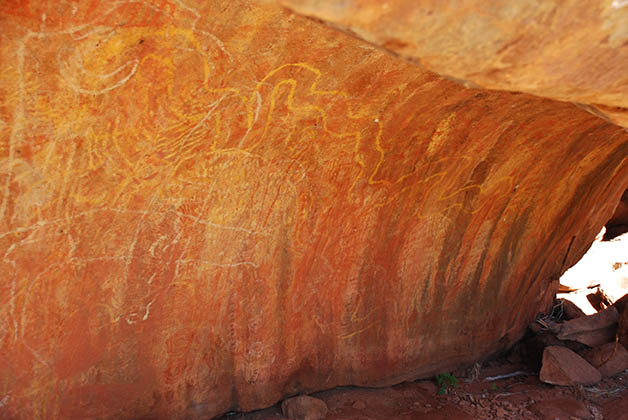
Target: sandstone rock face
(567,50)
(208,206)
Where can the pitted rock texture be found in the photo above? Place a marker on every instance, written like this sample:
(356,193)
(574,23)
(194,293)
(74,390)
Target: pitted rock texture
(567,50)
(208,206)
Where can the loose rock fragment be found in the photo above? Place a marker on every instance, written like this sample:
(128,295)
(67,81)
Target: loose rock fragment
(562,366)
(304,408)
(592,330)
(359,405)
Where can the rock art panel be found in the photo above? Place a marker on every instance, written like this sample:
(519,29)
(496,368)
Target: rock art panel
(567,50)
(208,206)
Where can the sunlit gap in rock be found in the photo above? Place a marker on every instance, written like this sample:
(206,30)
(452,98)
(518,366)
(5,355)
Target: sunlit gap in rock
(600,278)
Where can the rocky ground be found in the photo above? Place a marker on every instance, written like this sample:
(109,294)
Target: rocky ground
(571,365)
(520,397)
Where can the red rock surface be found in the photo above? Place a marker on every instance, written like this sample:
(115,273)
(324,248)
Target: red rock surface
(562,366)
(622,327)
(208,206)
(593,330)
(569,50)
(610,359)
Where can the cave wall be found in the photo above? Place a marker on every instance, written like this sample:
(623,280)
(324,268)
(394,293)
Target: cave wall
(209,206)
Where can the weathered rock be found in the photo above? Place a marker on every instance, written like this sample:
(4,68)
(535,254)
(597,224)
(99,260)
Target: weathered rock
(621,304)
(560,409)
(610,359)
(593,330)
(622,328)
(598,300)
(567,50)
(532,348)
(304,408)
(618,224)
(212,205)
(571,310)
(562,366)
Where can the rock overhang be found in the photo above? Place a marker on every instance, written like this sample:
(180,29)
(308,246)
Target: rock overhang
(213,206)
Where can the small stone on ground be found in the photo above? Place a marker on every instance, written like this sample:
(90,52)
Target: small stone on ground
(304,408)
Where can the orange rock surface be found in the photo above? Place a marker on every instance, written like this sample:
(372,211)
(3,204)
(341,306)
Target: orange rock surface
(570,50)
(208,206)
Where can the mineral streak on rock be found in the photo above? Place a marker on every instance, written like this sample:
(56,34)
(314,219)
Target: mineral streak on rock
(208,206)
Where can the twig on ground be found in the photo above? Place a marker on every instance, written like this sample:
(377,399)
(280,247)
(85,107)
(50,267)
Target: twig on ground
(507,375)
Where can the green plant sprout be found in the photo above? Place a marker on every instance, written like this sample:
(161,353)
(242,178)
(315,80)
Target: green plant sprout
(445,382)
